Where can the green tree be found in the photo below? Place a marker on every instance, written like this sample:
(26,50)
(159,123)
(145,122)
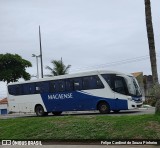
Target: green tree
(59,68)
(152,51)
(13,67)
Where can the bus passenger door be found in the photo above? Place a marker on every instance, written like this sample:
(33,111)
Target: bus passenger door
(120,89)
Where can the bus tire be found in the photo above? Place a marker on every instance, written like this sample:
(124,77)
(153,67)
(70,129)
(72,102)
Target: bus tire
(57,113)
(103,108)
(40,111)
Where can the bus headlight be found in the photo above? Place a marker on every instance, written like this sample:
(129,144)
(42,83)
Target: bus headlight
(130,99)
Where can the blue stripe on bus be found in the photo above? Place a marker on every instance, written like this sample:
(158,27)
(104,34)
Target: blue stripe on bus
(76,100)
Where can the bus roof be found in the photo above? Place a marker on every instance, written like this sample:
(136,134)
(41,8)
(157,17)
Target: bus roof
(72,75)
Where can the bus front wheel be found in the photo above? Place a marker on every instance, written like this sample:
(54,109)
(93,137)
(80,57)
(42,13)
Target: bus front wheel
(40,111)
(103,108)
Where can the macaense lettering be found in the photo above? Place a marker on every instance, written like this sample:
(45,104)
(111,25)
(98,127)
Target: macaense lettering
(60,96)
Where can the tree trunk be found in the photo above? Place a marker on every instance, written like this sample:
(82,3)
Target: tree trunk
(151,43)
(152,51)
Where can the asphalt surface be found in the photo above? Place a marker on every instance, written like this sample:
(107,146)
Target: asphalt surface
(139,111)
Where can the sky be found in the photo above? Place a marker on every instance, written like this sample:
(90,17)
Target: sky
(87,34)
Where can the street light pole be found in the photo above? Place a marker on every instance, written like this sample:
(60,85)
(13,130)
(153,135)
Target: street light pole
(37,67)
(41,52)
(33,55)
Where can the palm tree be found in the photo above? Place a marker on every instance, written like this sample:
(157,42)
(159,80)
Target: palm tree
(151,43)
(152,51)
(58,68)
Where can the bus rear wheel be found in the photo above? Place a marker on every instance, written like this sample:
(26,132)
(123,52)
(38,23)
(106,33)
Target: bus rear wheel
(40,111)
(56,113)
(103,108)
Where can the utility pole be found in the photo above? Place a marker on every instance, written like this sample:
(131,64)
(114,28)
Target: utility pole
(33,55)
(41,52)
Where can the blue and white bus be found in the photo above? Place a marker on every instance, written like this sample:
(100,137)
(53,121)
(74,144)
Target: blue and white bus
(96,90)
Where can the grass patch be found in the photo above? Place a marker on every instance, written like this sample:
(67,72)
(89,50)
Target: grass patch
(81,127)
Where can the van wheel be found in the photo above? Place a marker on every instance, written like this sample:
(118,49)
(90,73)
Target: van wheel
(104,108)
(56,113)
(40,111)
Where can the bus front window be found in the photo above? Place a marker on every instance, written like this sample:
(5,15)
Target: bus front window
(134,88)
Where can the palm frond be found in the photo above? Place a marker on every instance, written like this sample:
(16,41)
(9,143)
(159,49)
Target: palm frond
(59,68)
(49,68)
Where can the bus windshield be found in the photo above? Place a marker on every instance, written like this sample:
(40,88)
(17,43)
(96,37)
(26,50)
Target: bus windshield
(134,88)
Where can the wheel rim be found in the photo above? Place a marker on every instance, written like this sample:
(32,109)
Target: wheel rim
(39,110)
(103,107)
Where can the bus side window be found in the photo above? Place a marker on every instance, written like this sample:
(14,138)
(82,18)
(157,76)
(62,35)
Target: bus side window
(53,86)
(45,87)
(42,87)
(93,82)
(19,89)
(89,82)
(86,83)
(38,87)
(108,78)
(32,88)
(99,83)
(61,85)
(120,85)
(26,89)
(77,83)
(12,89)
(69,85)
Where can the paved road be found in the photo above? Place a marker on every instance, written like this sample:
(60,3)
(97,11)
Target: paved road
(140,111)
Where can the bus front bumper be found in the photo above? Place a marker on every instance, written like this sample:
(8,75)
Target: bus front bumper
(134,105)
